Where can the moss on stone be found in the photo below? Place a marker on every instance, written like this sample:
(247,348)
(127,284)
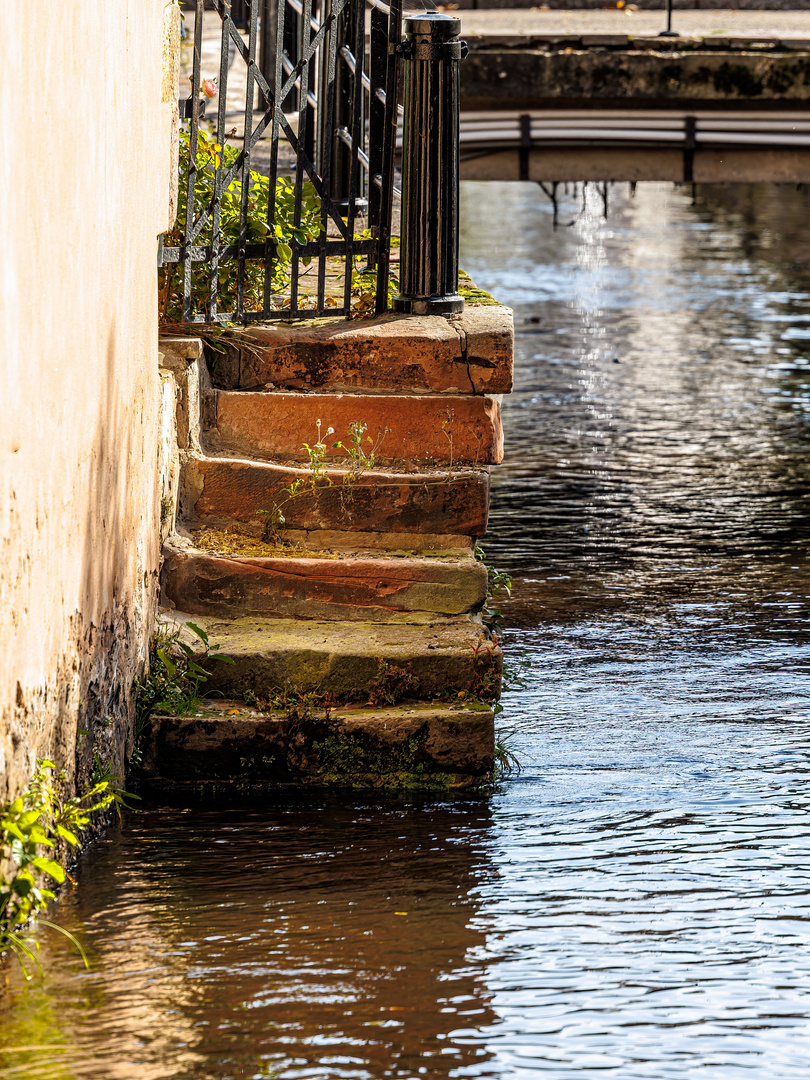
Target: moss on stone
(472,294)
(235,540)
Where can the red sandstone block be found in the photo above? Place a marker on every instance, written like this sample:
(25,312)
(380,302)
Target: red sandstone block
(350,588)
(468,354)
(420,430)
(218,491)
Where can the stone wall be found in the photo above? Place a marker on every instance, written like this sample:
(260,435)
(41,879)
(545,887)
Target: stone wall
(88,125)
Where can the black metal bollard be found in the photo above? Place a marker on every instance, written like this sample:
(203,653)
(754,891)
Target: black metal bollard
(428,278)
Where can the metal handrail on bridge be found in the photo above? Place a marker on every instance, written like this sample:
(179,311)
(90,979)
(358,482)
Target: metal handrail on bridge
(497,130)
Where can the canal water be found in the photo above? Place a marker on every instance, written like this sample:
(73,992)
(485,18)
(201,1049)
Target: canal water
(636,902)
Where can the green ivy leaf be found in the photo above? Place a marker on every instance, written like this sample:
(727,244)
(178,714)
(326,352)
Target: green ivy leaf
(66,834)
(48,866)
(12,830)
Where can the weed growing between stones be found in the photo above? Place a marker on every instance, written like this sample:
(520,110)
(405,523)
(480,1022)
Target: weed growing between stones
(498,581)
(174,679)
(237,539)
(391,684)
(42,819)
(357,459)
(297,705)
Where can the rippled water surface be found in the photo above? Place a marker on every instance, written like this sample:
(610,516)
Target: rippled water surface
(636,903)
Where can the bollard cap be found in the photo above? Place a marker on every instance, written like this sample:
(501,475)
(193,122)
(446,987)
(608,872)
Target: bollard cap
(432,24)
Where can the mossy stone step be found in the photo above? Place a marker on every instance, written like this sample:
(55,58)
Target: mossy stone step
(378,589)
(448,656)
(226,746)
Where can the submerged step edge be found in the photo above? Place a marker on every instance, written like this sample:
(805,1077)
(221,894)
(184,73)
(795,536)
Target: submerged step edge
(410,745)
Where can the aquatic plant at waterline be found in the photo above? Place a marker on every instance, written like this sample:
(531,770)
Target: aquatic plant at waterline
(42,820)
(506,761)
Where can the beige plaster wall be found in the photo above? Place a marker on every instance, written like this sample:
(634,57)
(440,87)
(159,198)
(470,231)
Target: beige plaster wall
(87,104)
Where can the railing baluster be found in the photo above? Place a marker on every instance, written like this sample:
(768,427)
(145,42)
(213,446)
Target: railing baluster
(376,116)
(248,127)
(389,148)
(430,168)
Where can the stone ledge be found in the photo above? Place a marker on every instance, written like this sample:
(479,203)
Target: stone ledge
(218,491)
(342,658)
(422,430)
(582,79)
(468,354)
(410,745)
(377,589)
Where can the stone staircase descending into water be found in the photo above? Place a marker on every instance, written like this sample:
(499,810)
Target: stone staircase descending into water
(359,656)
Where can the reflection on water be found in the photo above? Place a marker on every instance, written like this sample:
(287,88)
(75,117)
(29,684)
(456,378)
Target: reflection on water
(657,440)
(637,903)
(331,938)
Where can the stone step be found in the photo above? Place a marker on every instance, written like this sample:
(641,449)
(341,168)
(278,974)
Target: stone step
(228,745)
(219,491)
(349,660)
(470,353)
(377,588)
(427,430)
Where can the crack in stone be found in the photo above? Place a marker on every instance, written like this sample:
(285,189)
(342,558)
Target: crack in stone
(462,337)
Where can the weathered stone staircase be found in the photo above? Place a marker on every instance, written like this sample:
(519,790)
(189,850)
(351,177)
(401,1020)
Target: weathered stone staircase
(367,598)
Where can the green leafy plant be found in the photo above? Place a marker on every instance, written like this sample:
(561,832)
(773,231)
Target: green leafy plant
(359,455)
(497,582)
(288,227)
(42,820)
(364,282)
(173,684)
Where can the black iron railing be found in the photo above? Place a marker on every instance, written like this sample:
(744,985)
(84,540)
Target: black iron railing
(292,216)
(320,115)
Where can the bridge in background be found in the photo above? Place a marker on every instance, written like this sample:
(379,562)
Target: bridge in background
(564,96)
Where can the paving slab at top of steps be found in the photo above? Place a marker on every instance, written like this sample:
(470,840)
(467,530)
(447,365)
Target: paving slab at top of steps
(343,658)
(410,745)
(470,353)
(416,430)
(223,490)
(319,588)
